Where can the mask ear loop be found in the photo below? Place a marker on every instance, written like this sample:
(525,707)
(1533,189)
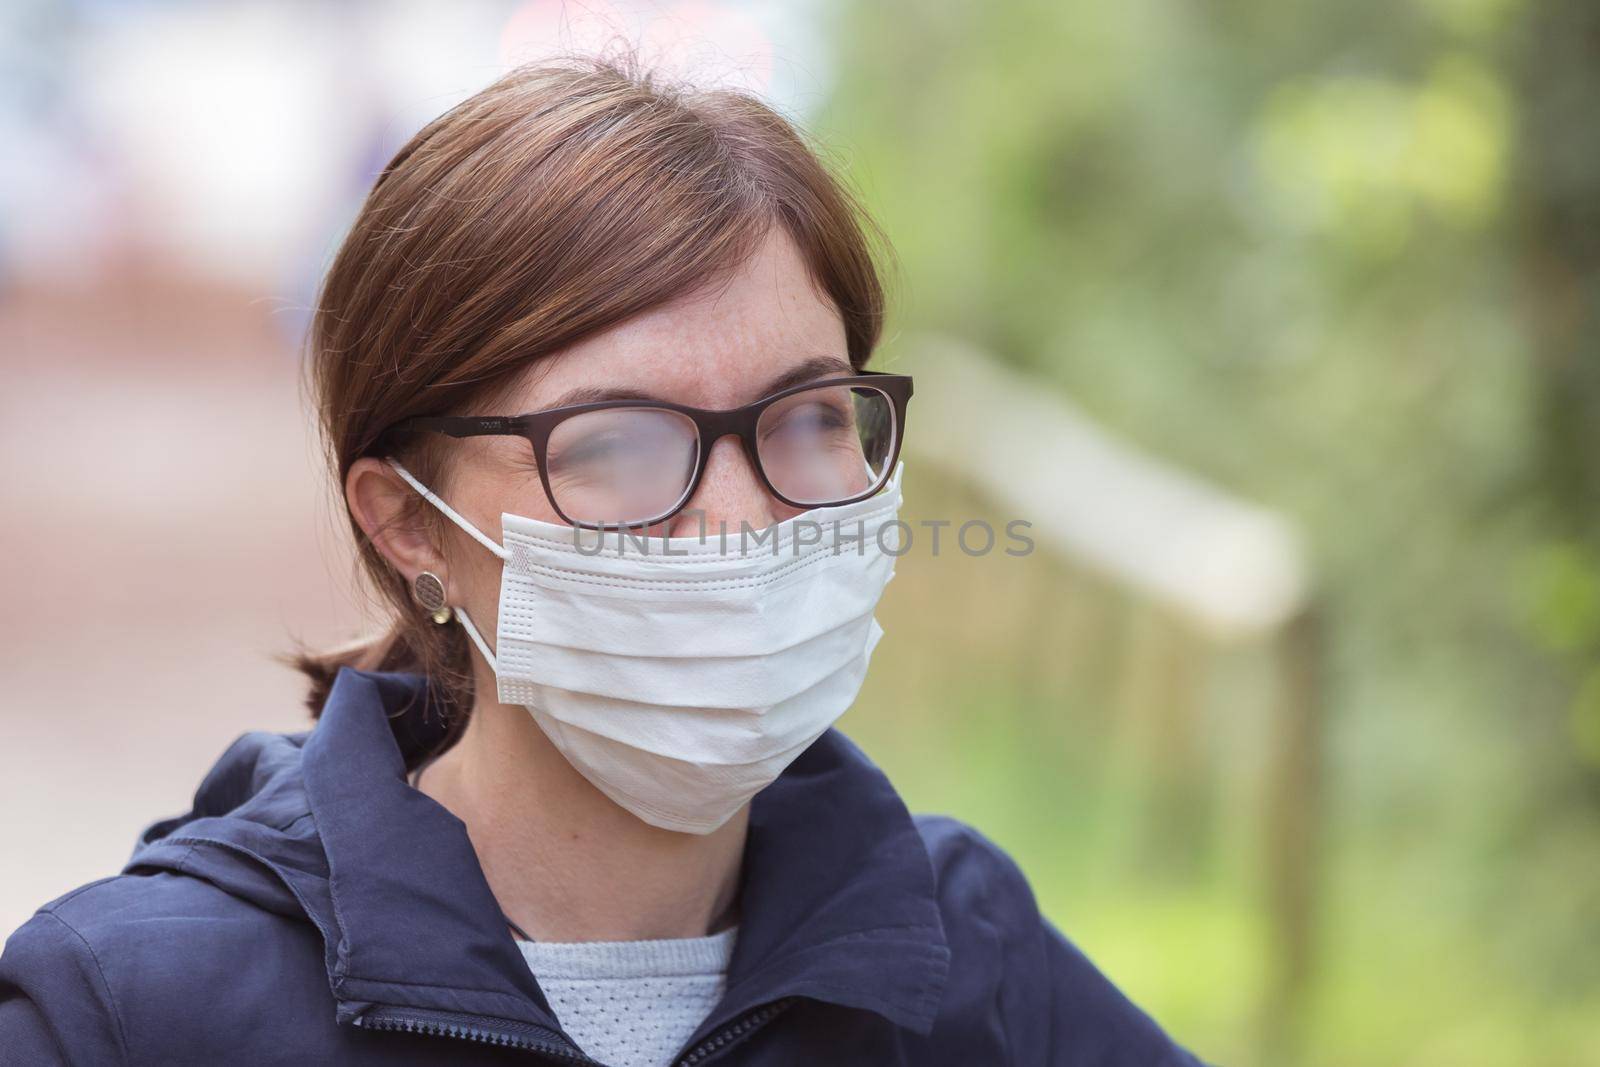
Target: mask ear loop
(477,639)
(428,495)
(478,535)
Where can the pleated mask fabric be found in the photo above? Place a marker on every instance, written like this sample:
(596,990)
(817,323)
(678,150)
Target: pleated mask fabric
(682,675)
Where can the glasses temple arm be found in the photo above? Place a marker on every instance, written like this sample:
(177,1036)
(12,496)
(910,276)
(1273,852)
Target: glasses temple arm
(459,425)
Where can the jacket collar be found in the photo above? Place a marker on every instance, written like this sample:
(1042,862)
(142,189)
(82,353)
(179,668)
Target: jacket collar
(837,896)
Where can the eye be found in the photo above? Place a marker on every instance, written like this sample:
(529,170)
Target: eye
(620,464)
(809,417)
(591,449)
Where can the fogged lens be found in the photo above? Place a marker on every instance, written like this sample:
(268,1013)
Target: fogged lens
(620,465)
(827,444)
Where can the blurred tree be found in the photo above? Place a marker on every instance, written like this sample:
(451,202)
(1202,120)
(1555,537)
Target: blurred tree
(1558,199)
(1344,259)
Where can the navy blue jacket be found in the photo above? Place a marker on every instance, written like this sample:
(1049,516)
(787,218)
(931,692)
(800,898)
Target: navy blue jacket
(314,908)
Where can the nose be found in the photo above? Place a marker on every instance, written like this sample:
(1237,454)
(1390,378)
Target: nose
(730,493)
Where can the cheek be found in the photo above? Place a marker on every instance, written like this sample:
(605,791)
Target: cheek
(474,571)
(502,478)
(514,487)
(482,596)
(782,512)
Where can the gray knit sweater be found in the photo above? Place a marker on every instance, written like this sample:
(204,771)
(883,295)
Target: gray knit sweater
(632,1003)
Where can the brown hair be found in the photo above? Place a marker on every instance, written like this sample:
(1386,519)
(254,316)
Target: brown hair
(560,201)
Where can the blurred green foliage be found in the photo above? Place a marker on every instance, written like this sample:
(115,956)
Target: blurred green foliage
(1343,260)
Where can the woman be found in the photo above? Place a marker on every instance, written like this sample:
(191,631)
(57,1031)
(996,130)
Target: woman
(588,338)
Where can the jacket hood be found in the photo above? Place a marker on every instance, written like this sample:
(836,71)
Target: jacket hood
(837,894)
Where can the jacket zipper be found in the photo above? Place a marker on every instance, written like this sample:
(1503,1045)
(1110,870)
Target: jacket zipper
(470,1028)
(731,1035)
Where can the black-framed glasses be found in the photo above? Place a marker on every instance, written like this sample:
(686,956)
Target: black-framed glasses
(633,462)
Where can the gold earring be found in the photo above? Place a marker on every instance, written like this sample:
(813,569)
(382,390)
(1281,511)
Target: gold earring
(429,592)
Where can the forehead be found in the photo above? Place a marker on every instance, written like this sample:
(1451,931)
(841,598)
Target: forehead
(709,349)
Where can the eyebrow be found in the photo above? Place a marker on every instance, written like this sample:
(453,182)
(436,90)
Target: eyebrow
(807,370)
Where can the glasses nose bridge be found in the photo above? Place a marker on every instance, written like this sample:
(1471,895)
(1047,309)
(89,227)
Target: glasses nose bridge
(715,425)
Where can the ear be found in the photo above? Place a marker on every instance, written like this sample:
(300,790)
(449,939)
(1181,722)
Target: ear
(380,500)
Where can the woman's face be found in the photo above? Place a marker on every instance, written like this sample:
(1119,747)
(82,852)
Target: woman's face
(767,328)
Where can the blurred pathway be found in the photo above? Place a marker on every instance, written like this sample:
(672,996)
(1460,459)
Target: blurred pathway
(167,530)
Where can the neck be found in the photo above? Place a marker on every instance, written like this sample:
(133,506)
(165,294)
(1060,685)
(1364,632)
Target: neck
(565,862)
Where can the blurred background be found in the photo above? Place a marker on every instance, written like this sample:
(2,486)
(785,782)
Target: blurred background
(1292,311)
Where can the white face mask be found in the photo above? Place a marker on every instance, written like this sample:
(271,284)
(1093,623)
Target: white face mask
(682,675)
